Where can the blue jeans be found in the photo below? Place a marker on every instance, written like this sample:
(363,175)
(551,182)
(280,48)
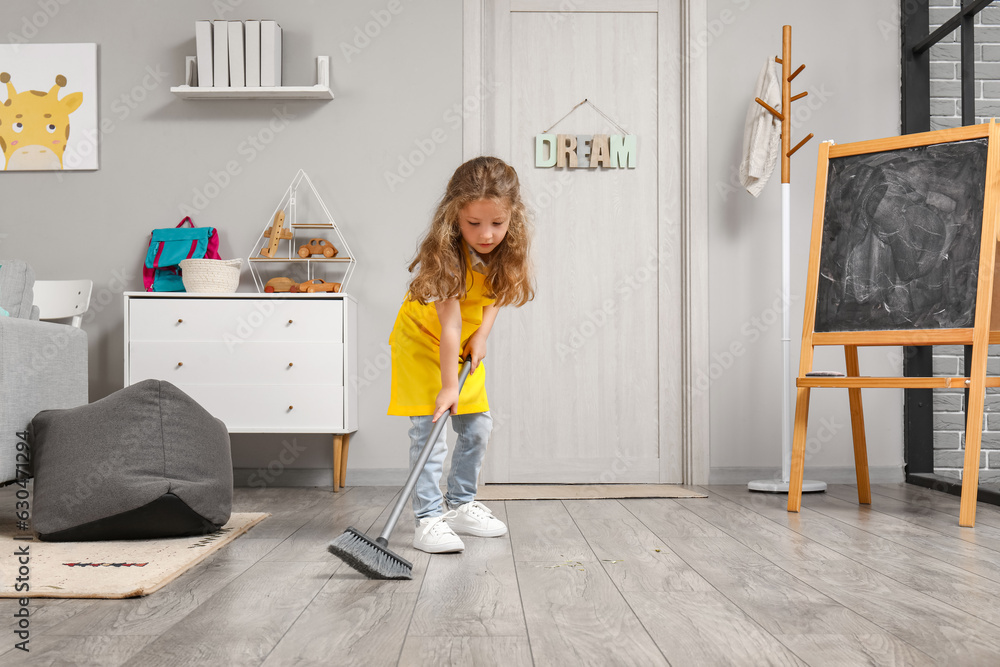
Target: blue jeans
(473,435)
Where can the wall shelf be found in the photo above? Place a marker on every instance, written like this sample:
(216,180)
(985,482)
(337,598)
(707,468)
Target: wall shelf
(279,93)
(320,91)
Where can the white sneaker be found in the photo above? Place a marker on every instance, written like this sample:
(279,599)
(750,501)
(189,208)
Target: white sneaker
(435,536)
(476,519)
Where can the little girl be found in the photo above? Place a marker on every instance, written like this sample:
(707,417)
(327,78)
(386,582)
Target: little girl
(473,260)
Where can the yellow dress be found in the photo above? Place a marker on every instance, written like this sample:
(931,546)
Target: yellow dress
(416,353)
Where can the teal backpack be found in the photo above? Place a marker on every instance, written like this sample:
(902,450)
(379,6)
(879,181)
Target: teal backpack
(167,247)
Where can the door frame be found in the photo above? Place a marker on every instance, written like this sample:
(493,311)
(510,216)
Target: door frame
(681,24)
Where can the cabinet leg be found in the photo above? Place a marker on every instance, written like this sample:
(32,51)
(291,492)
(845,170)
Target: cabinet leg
(345,447)
(337,451)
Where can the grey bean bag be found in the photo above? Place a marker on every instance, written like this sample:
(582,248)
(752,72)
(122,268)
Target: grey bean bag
(144,462)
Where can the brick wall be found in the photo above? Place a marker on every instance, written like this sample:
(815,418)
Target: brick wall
(945,67)
(949,418)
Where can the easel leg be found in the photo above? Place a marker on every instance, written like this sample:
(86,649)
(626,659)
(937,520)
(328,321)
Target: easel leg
(858,428)
(337,452)
(343,459)
(973,441)
(798,449)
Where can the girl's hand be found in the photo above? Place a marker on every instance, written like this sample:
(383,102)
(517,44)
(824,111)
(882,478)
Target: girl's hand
(447,399)
(476,350)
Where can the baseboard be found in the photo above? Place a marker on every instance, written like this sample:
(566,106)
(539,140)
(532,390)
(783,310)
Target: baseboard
(294,477)
(830,475)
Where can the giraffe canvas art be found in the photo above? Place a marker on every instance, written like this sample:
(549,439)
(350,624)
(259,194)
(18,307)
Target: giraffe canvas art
(34,126)
(48,120)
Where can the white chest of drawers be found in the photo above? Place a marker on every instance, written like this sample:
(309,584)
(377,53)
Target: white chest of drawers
(262,364)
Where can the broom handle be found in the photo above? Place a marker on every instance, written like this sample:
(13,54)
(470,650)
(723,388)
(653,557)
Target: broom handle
(425,454)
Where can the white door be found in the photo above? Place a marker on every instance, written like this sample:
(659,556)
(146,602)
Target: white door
(584,381)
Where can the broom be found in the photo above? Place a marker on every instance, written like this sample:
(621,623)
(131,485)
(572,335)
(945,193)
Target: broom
(373,558)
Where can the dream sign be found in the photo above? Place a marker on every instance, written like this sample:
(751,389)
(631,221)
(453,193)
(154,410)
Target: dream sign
(614,151)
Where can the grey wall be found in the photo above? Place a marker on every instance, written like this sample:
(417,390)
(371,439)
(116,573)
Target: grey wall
(851,52)
(399,89)
(160,150)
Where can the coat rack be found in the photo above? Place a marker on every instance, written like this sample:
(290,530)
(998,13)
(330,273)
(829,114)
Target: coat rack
(785,116)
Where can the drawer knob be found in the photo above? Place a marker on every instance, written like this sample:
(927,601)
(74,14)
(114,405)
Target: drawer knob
(290,364)
(289,321)
(290,407)
(179,320)
(180,363)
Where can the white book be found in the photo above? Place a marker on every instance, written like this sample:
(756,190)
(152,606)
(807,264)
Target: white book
(252,40)
(220,48)
(270,54)
(236,77)
(203,50)
(190,70)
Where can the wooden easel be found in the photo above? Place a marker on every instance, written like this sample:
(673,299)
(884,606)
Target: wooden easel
(979,336)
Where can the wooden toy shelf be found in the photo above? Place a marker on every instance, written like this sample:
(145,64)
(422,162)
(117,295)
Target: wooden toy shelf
(286,260)
(281,243)
(320,91)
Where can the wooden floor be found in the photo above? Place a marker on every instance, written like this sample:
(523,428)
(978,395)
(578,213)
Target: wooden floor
(732,579)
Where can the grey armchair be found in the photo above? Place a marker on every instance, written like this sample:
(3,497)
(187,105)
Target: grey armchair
(43,365)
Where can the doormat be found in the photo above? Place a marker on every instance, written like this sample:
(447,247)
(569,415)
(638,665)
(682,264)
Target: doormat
(583,491)
(116,569)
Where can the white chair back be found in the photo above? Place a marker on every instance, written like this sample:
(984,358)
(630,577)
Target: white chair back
(60,299)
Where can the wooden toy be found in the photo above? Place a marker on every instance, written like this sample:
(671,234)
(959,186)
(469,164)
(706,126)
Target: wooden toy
(318,247)
(279,285)
(276,234)
(316,285)
(325,287)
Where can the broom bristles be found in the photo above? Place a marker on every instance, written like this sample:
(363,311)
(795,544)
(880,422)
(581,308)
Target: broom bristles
(369,557)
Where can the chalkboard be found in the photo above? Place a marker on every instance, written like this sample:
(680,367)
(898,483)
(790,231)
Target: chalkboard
(903,251)
(901,238)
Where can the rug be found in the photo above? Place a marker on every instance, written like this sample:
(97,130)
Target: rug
(582,491)
(118,569)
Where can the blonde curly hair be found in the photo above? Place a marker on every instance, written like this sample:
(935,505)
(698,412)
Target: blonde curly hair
(440,262)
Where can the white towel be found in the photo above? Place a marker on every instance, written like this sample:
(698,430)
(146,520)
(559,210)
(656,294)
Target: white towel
(762,133)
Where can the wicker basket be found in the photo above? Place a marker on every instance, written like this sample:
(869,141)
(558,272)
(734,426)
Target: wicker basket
(220,276)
